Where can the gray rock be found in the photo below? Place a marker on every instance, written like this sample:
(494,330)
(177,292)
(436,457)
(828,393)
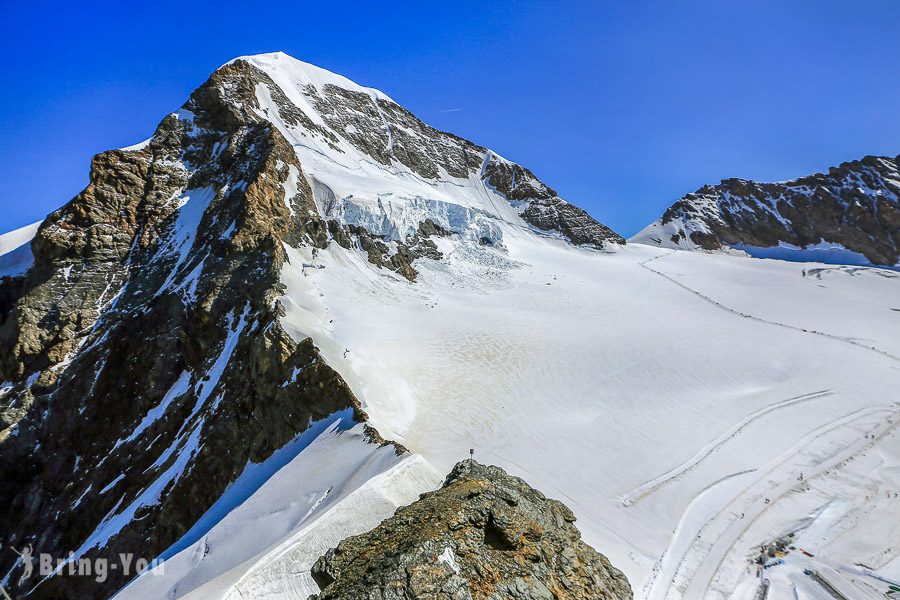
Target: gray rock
(540,206)
(484,535)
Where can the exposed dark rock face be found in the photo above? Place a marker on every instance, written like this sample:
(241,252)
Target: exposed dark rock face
(379,253)
(157,286)
(543,209)
(856,205)
(483,535)
(386,131)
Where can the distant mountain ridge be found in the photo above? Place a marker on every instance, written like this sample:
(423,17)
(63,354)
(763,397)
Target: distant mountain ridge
(853,208)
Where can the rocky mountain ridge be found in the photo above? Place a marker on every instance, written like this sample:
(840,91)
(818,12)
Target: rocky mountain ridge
(853,207)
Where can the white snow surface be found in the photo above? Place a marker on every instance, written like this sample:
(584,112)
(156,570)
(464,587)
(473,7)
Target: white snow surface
(337,486)
(15,250)
(658,394)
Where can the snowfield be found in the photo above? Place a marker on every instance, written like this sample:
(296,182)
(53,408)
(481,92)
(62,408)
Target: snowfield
(662,396)
(687,407)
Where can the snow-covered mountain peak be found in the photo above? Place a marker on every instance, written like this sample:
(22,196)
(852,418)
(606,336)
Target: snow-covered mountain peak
(371,163)
(302,73)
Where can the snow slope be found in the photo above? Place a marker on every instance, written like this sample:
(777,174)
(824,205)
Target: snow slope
(338,485)
(17,237)
(657,412)
(15,250)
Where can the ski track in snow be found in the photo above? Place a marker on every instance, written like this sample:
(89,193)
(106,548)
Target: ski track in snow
(709,551)
(654,484)
(701,581)
(683,537)
(663,584)
(744,315)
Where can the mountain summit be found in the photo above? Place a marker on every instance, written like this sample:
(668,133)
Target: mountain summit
(373,165)
(140,327)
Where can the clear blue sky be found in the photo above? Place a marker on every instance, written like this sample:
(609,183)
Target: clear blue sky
(621,106)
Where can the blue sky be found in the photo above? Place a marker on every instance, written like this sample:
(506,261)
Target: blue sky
(623,107)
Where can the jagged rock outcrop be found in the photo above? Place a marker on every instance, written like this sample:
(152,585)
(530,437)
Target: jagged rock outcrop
(855,205)
(543,208)
(483,535)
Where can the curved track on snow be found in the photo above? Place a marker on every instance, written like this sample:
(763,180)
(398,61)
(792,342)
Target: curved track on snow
(700,545)
(716,303)
(654,484)
(696,553)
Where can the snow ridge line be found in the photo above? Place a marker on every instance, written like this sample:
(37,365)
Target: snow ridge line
(637,494)
(718,304)
(274,554)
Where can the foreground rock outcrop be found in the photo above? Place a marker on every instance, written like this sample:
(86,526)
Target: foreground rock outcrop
(855,205)
(483,535)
